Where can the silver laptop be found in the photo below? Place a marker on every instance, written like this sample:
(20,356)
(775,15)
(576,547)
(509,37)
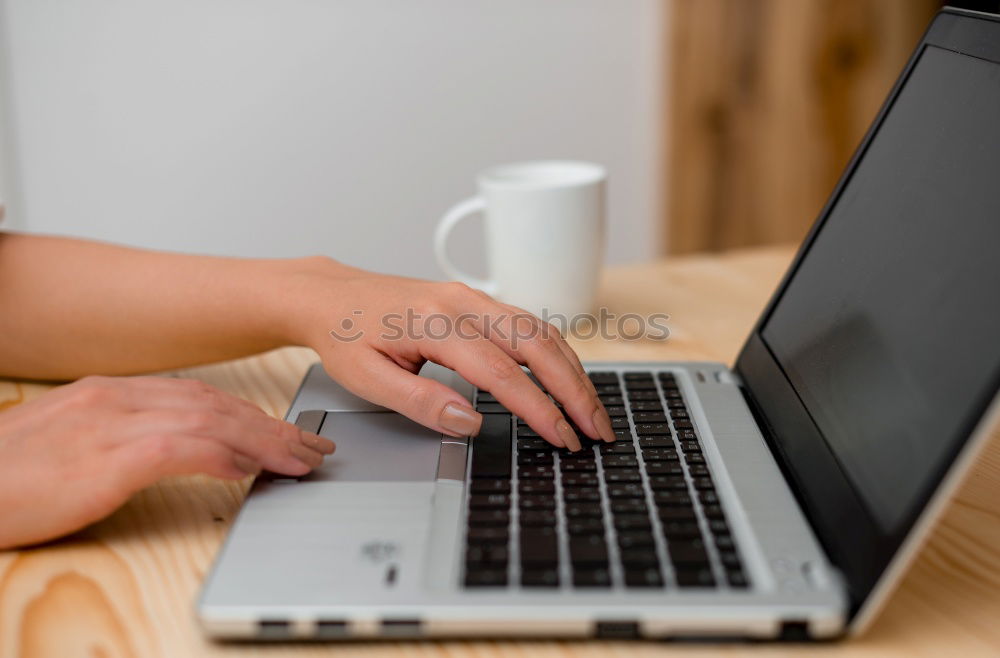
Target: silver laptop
(781,498)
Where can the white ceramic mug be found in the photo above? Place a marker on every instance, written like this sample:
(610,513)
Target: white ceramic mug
(544,235)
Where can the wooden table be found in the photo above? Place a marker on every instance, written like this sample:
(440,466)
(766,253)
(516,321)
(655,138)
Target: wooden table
(126,586)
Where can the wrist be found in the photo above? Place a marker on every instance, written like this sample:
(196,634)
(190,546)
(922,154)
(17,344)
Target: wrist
(303,290)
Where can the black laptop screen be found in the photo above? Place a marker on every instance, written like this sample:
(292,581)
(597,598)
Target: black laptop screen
(889,331)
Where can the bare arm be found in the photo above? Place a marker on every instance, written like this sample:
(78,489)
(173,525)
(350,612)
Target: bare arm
(73,308)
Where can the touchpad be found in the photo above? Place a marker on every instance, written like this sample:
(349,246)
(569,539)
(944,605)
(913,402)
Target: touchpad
(378,446)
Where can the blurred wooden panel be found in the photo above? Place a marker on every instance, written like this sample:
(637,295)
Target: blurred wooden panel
(768,100)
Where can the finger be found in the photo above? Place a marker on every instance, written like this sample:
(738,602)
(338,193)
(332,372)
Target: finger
(563,345)
(276,445)
(192,395)
(530,342)
(426,401)
(139,463)
(487,366)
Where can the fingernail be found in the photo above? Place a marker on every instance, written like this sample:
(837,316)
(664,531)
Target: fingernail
(316,442)
(460,420)
(307,456)
(602,422)
(247,465)
(567,435)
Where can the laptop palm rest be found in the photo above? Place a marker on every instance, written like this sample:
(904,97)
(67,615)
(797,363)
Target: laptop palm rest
(378,446)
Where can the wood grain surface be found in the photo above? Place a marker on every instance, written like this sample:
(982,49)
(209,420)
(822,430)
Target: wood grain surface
(126,586)
(768,100)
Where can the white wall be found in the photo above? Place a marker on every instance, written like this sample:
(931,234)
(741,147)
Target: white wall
(346,127)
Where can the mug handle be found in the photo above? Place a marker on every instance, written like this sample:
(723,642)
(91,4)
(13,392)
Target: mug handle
(458,212)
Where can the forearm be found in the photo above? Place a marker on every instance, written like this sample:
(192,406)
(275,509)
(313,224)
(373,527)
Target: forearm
(69,308)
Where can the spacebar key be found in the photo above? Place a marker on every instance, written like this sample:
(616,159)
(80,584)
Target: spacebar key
(491,448)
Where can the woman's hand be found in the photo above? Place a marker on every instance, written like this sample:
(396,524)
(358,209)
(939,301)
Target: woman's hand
(374,333)
(76,453)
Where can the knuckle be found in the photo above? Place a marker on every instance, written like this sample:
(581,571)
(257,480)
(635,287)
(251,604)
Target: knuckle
(198,420)
(504,369)
(93,389)
(158,450)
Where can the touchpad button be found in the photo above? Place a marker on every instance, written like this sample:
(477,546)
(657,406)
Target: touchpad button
(378,446)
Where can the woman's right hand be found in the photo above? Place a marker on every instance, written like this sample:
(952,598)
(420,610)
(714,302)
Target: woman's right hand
(75,454)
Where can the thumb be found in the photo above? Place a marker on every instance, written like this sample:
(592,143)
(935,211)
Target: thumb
(423,400)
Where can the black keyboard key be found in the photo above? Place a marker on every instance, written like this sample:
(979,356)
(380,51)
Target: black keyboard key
(581,456)
(582,510)
(537,517)
(626,522)
(660,455)
(491,449)
(730,559)
(481,517)
(487,535)
(640,386)
(536,487)
(675,403)
(590,550)
(489,486)
(491,408)
(646,405)
(677,513)
(668,498)
(694,458)
(698,470)
(663,468)
(489,501)
(635,539)
(724,542)
(595,577)
(637,375)
(539,547)
(535,472)
(649,417)
(736,578)
(535,459)
(708,498)
(485,396)
(539,578)
(577,495)
(674,530)
(687,552)
(628,490)
(577,466)
(690,446)
(616,411)
(686,435)
(538,502)
(643,396)
(603,377)
(683,425)
(679,414)
(609,400)
(638,557)
(486,578)
(669,483)
(620,461)
(718,526)
(525,432)
(695,577)
(585,526)
(619,423)
(649,577)
(618,448)
(496,556)
(663,441)
(579,479)
(629,506)
(652,429)
(621,475)
(704,484)
(608,389)
(533,445)
(713,511)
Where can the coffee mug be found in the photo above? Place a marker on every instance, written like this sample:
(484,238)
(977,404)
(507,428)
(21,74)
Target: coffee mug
(544,235)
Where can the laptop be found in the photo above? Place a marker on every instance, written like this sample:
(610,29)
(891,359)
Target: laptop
(778,499)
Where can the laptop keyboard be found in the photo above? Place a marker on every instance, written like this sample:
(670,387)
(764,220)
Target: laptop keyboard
(641,512)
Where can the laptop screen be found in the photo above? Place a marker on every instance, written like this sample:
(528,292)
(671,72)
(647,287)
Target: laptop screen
(889,329)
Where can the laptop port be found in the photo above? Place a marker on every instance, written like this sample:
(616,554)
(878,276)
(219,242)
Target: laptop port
(273,629)
(618,630)
(401,627)
(331,628)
